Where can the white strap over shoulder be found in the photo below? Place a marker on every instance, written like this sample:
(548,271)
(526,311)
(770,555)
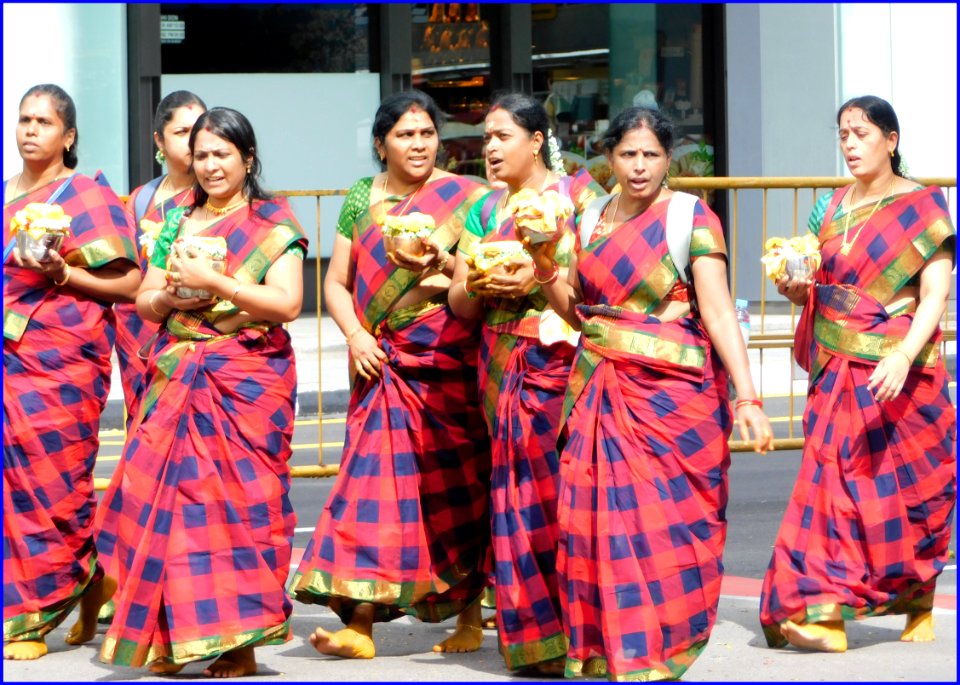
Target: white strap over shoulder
(591,216)
(680,231)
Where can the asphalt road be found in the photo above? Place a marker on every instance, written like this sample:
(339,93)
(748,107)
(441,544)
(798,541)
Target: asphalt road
(759,488)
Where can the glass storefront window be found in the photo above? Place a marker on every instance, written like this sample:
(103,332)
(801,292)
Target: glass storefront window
(451,63)
(592,61)
(198,38)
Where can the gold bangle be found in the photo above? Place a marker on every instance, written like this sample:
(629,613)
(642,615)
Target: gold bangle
(66,276)
(907,356)
(153,298)
(353,333)
(233,295)
(470,294)
(442,264)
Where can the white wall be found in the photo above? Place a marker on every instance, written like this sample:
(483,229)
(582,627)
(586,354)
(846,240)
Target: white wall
(313,131)
(81,48)
(791,66)
(906,54)
(781,75)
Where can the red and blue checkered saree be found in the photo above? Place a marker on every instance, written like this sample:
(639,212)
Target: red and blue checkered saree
(406,526)
(868,525)
(56,363)
(132,331)
(522,384)
(643,475)
(198,512)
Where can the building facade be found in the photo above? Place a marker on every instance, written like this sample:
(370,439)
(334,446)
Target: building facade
(752,88)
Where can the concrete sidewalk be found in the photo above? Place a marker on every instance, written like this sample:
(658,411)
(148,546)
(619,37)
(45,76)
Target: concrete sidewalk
(736,652)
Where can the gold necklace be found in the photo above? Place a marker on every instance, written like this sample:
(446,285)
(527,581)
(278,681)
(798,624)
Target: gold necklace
(27,191)
(383,197)
(222,211)
(602,229)
(163,201)
(846,247)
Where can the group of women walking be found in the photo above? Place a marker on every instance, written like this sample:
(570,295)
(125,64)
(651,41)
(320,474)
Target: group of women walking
(560,426)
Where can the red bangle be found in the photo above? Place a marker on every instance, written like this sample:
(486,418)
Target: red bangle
(755,402)
(549,276)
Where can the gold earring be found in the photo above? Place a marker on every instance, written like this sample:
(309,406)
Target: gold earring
(891,153)
(68,148)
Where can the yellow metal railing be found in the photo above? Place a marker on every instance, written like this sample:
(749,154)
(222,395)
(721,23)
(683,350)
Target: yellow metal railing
(761,340)
(782,341)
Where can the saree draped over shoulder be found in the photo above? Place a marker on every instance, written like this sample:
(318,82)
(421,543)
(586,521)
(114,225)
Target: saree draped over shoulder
(522,382)
(56,378)
(407,525)
(133,332)
(197,512)
(643,475)
(868,525)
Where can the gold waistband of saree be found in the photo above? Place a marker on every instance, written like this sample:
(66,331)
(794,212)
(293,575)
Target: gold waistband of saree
(602,333)
(838,337)
(404,316)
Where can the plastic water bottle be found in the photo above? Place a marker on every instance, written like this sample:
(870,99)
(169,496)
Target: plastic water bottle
(743,318)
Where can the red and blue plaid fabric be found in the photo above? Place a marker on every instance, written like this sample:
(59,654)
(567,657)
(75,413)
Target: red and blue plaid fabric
(198,511)
(133,332)
(868,525)
(525,382)
(643,475)
(55,384)
(407,525)
(522,384)
(377,282)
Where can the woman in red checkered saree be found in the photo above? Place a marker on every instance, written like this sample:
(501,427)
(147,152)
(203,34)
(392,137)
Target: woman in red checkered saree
(525,362)
(643,475)
(57,339)
(148,206)
(868,526)
(406,529)
(200,507)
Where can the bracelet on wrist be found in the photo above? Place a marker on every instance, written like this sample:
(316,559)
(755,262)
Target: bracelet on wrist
(743,403)
(352,333)
(152,301)
(470,294)
(233,295)
(442,262)
(546,277)
(906,356)
(66,276)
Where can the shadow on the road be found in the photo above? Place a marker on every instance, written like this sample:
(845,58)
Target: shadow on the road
(404,637)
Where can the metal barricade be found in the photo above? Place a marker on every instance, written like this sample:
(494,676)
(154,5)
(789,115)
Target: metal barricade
(764,342)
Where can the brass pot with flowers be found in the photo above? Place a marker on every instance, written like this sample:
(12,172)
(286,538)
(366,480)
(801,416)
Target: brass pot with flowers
(407,232)
(503,257)
(213,249)
(539,216)
(40,229)
(797,257)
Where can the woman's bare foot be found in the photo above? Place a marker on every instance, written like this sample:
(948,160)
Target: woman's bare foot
(233,664)
(554,667)
(165,667)
(25,650)
(464,639)
(468,635)
(919,627)
(348,643)
(105,615)
(85,629)
(826,636)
